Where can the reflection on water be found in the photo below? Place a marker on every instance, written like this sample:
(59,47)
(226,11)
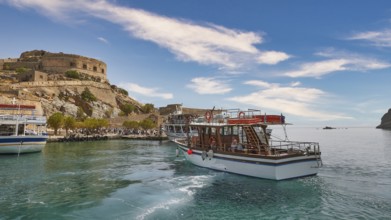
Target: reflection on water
(126,179)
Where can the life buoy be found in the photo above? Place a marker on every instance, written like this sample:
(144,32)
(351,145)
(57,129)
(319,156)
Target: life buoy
(189,152)
(241,115)
(208,116)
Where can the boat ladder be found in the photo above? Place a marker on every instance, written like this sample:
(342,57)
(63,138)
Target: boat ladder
(317,155)
(253,139)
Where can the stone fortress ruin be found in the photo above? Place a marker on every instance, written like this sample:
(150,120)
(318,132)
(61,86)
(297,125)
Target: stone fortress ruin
(40,65)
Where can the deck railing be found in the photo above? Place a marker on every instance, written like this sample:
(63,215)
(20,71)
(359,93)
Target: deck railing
(24,118)
(295,146)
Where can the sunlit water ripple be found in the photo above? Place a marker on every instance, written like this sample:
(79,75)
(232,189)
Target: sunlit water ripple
(127,179)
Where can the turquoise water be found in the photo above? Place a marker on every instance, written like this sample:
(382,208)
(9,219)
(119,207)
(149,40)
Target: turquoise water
(125,179)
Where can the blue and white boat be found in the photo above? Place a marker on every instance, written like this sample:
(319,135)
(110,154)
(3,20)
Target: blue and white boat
(240,144)
(20,133)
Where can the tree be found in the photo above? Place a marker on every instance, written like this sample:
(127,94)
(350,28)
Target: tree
(147,124)
(55,121)
(69,123)
(127,109)
(92,123)
(80,115)
(131,124)
(148,108)
(21,70)
(86,95)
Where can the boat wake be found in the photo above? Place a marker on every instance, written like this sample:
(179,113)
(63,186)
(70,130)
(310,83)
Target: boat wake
(182,190)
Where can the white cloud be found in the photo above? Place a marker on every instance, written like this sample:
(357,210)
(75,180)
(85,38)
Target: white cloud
(206,44)
(104,40)
(317,69)
(297,101)
(149,92)
(209,85)
(272,57)
(294,84)
(377,38)
(338,61)
(260,83)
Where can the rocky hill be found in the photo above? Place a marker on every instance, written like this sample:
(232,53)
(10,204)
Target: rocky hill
(67,97)
(57,82)
(386,121)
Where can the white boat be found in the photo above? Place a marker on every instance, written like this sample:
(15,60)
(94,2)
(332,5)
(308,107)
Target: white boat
(21,133)
(176,124)
(240,144)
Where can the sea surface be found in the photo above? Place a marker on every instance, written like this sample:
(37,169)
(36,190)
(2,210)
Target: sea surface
(132,179)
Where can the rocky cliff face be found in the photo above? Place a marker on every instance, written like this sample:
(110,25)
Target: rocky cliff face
(386,121)
(66,97)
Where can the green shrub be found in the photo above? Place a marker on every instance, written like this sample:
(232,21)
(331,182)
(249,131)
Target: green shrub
(131,124)
(123,91)
(127,108)
(87,96)
(72,74)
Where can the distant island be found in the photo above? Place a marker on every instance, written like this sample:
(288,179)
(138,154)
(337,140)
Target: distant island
(385,121)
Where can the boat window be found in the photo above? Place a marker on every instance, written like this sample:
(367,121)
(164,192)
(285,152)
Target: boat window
(235,130)
(227,130)
(213,130)
(178,129)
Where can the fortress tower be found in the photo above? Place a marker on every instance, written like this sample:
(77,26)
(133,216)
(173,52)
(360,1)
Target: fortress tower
(56,63)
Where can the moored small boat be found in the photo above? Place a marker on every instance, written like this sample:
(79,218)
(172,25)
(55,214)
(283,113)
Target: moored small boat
(20,133)
(176,124)
(240,144)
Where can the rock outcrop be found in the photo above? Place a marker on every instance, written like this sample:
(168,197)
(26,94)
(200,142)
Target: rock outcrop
(386,121)
(67,83)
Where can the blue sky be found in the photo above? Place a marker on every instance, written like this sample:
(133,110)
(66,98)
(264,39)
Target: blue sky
(317,62)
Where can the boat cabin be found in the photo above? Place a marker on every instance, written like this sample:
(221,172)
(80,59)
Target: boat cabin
(234,138)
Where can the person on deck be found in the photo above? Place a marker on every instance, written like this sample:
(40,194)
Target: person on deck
(213,143)
(234,144)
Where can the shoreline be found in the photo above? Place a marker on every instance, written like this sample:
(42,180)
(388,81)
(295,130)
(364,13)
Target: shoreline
(53,138)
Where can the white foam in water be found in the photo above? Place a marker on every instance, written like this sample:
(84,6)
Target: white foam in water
(163,205)
(197,182)
(186,185)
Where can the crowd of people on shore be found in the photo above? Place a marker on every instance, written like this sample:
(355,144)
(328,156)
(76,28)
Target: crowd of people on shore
(107,133)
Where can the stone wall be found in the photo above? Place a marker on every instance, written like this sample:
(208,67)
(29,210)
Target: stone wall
(60,63)
(56,63)
(4,63)
(169,109)
(34,76)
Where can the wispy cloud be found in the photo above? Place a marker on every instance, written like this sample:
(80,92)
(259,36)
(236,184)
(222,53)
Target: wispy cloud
(337,61)
(104,40)
(294,100)
(209,85)
(207,44)
(149,92)
(376,38)
(272,57)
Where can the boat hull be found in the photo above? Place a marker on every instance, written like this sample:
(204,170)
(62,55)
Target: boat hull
(275,169)
(22,144)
